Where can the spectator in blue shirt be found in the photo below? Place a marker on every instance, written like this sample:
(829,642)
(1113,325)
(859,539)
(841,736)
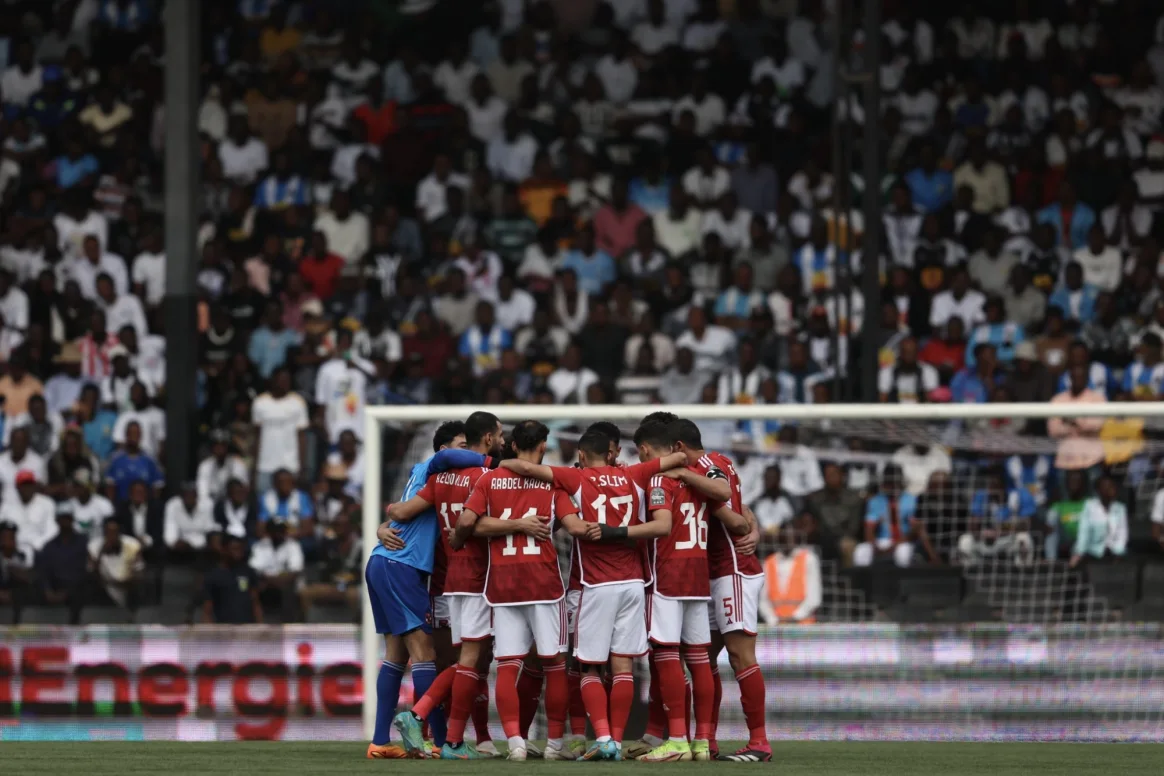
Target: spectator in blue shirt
(1099,378)
(1071,218)
(1004,335)
(931,187)
(1000,520)
(594,268)
(76,167)
(288,504)
(652,190)
(97,422)
(1075,298)
(975,385)
(131,464)
(889,517)
(52,104)
(271,341)
(281,189)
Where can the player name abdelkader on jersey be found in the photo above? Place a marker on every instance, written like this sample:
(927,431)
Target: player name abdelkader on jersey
(519,483)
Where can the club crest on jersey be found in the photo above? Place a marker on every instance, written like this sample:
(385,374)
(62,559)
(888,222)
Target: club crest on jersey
(658,497)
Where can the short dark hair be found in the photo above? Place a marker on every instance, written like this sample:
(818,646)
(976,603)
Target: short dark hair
(528,434)
(687,432)
(446,433)
(612,432)
(660,417)
(594,443)
(1151,339)
(478,425)
(655,434)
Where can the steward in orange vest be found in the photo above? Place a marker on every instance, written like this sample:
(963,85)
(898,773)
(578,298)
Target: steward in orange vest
(792,587)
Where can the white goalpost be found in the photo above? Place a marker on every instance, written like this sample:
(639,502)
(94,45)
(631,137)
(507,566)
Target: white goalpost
(924,422)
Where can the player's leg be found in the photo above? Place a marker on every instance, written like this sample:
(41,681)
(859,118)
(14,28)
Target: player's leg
(696,637)
(392,617)
(512,642)
(628,642)
(529,691)
(593,633)
(713,652)
(664,630)
(577,740)
(740,642)
(471,622)
(548,623)
(480,712)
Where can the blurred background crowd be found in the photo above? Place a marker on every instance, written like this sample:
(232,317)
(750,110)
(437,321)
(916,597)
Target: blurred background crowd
(548,201)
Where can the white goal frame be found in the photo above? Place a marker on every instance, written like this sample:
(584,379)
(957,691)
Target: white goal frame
(374,417)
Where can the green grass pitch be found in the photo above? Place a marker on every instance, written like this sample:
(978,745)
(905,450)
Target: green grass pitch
(790,759)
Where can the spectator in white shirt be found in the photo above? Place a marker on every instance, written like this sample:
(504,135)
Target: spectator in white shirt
(1102,264)
(959,301)
(510,155)
(95,261)
(731,222)
(918,463)
(485,110)
(346,229)
(678,229)
(19,457)
(799,465)
(707,106)
(187,524)
(774,507)
(23,78)
(711,345)
(341,388)
(343,162)
(617,72)
(278,560)
(219,468)
(571,381)
(455,74)
(120,310)
(13,302)
(655,34)
(282,420)
(33,514)
(149,269)
(90,509)
(431,192)
(117,560)
(707,181)
(243,156)
(514,307)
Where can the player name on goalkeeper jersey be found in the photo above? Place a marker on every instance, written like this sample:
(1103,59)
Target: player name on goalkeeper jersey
(521,569)
(722,557)
(464,570)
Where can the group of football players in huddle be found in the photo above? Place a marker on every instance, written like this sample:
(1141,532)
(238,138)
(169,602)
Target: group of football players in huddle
(662,564)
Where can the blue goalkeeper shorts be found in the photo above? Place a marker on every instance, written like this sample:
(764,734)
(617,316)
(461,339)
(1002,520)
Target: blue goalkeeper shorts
(399,593)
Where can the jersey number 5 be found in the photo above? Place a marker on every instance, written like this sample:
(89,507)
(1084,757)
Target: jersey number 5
(531,544)
(625,503)
(696,523)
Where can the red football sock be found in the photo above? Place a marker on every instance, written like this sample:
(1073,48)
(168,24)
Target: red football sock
(752,699)
(508,699)
(687,704)
(656,716)
(529,692)
(717,701)
(622,695)
(480,711)
(438,691)
(464,694)
(577,707)
(703,693)
(557,700)
(594,696)
(672,686)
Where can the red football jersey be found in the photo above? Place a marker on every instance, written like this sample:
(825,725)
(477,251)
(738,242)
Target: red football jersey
(608,495)
(679,560)
(522,570)
(466,567)
(722,558)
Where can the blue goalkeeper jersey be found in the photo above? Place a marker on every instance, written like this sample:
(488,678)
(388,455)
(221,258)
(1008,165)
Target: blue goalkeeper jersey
(420,534)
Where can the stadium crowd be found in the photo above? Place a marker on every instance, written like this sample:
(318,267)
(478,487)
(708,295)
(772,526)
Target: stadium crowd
(553,202)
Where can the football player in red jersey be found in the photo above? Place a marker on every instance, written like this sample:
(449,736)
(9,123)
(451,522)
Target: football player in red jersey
(470,617)
(736,586)
(524,584)
(677,601)
(610,624)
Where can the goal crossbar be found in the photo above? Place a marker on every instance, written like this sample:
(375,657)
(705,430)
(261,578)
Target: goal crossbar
(373,504)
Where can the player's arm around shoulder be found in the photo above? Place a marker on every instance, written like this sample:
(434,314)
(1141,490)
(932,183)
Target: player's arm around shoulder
(659,504)
(403,511)
(526,469)
(736,523)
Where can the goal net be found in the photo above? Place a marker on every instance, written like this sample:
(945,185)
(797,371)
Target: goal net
(982,572)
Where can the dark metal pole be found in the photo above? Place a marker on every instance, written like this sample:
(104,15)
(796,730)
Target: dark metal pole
(181,228)
(871,269)
(840,165)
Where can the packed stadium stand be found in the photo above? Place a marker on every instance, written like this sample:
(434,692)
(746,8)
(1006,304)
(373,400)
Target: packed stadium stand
(578,202)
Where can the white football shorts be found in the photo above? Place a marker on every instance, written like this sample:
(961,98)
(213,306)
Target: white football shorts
(611,620)
(541,626)
(470,618)
(735,604)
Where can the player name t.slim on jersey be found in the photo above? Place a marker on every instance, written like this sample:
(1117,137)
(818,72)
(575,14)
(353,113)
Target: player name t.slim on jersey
(521,569)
